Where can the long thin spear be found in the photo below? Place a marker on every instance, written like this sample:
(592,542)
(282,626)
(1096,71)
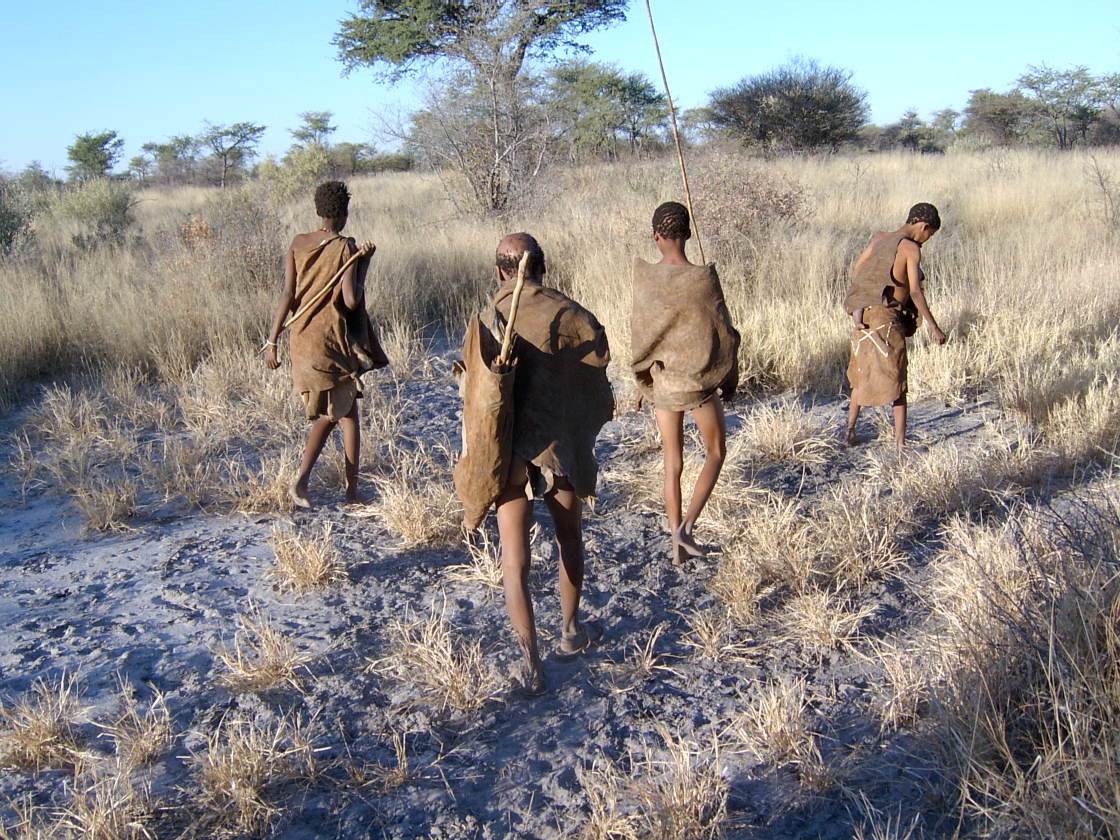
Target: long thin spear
(676,133)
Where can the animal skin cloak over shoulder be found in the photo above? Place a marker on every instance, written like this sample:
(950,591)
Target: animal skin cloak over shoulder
(330,343)
(561,393)
(683,345)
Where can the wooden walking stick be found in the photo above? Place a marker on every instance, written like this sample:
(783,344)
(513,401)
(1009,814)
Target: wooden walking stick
(507,341)
(319,295)
(676,133)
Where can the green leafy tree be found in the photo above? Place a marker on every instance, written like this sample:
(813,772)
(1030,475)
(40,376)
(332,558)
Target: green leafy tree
(485,45)
(1067,101)
(799,105)
(232,147)
(176,160)
(93,155)
(349,159)
(1000,118)
(599,108)
(314,129)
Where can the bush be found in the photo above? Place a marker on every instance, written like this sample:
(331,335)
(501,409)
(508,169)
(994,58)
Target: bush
(94,212)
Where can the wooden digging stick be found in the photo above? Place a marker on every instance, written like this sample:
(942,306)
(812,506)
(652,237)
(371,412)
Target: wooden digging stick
(507,341)
(319,295)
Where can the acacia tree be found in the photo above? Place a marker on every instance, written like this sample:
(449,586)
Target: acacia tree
(598,105)
(1067,101)
(486,44)
(799,105)
(93,155)
(232,146)
(314,128)
(176,159)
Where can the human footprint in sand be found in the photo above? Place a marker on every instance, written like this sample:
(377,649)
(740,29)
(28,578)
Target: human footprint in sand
(332,340)
(561,398)
(684,353)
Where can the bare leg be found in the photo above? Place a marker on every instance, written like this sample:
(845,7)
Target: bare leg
(713,429)
(351,448)
(565,507)
(853,416)
(899,423)
(320,430)
(671,426)
(514,513)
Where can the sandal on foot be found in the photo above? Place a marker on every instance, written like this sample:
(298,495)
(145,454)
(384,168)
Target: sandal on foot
(572,646)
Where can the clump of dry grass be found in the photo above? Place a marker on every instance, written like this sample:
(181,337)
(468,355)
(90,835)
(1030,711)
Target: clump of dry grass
(262,657)
(416,499)
(856,534)
(448,670)
(709,636)
(484,564)
(822,622)
(775,728)
(1030,701)
(261,490)
(140,734)
(106,504)
(737,583)
(107,808)
(644,662)
(305,562)
(906,687)
(39,730)
(679,794)
(784,431)
(245,764)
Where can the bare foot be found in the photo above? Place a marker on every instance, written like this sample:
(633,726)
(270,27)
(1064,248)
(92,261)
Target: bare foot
(531,682)
(848,437)
(357,497)
(684,546)
(299,497)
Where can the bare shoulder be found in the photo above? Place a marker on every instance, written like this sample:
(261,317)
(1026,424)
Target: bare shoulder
(909,248)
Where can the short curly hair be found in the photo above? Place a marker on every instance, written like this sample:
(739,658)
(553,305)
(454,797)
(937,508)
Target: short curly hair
(332,200)
(924,212)
(671,220)
(509,257)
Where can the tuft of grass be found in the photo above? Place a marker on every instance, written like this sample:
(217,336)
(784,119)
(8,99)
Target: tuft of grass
(448,670)
(39,730)
(244,767)
(305,562)
(108,808)
(140,734)
(708,637)
(484,564)
(262,658)
(677,793)
(416,499)
(106,504)
(784,431)
(644,662)
(821,622)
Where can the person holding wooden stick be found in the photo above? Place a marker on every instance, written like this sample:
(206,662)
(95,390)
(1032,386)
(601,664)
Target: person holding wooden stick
(561,399)
(887,304)
(332,340)
(685,356)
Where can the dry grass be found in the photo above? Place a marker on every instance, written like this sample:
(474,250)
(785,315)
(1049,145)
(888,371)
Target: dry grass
(1029,705)
(106,504)
(245,766)
(643,663)
(709,636)
(39,730)
(484,564)
(306,562)
(775,728)
(677,793)
(821,622)
(784,431)
(107,808)
(416,498)
(140,734)
(447,670)
(262,657)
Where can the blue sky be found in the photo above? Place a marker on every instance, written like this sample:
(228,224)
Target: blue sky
(152,70)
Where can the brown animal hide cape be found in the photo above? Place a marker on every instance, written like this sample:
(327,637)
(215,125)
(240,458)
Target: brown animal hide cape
(331,346)
(683,346)
(487,391)
(560,393)
(877,367)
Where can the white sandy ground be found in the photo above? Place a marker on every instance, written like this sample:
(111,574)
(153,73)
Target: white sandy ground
(152,604)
